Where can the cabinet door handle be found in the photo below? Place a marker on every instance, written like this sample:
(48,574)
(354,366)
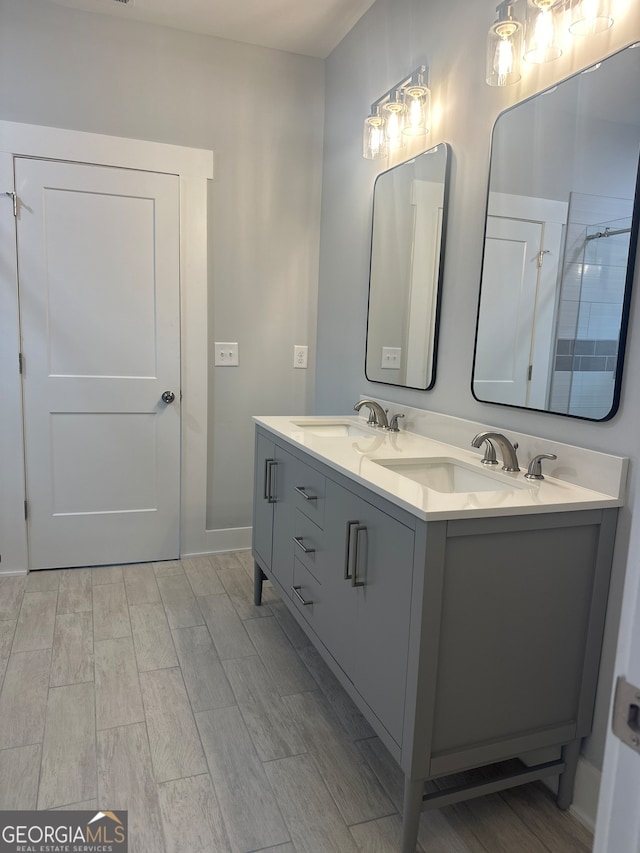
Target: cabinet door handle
(269,465)
(301,491)
(300,544)
(356,559)
(351,525)
(296,592)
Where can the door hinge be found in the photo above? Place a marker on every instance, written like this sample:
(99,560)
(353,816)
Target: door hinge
(626,713)
(541,255)
(14,199)
(20,363)
(529,373)
(26,510)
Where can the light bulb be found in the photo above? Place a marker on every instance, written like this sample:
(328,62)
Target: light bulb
(417,99)
(503,59)
(540,38)
(394,112)
(544,30)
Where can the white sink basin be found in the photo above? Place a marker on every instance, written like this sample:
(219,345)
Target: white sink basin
(335,429)
(450,475)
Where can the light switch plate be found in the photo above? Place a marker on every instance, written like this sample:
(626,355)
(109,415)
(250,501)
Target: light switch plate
(226,354)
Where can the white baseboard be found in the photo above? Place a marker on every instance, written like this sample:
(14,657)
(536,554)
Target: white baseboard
(585,793)
(219,541)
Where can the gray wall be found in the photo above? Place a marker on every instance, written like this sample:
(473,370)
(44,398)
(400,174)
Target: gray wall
(449,36)
(261,111)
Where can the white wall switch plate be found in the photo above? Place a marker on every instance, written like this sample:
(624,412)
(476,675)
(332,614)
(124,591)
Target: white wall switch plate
(226,354)
(391,357)
(300,355)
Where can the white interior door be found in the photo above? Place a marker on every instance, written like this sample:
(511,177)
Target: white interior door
(98,268)
(509,287)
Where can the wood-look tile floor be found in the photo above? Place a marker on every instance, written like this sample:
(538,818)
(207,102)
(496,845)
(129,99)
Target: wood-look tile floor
(161,689)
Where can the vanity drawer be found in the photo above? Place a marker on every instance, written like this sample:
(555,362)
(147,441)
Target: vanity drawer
(306,594)
(308,544)
(309,493)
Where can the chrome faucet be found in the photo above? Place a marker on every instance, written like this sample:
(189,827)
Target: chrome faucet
(377,416)
(508,450)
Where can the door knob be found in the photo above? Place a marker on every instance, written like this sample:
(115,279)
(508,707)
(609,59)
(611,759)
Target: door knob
(168,396)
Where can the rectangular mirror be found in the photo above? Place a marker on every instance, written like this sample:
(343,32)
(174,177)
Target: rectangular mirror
(560,241)
(407,252)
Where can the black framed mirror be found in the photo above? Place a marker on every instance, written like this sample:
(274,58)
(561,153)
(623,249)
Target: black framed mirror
(561,233)
(407,257)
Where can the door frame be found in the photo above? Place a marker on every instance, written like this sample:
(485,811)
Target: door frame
(194,167)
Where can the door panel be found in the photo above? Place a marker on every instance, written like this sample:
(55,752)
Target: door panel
(95,296)
(501,368)
(366,627)
(116,450)
(98,261)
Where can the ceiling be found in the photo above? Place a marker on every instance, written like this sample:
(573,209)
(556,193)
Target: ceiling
(309,27)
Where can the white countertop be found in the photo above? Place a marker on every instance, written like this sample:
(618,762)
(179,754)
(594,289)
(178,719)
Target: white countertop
(355,455)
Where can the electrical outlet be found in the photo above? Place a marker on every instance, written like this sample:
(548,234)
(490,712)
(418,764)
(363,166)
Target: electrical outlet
(226,354)
(300,354)
(391,357)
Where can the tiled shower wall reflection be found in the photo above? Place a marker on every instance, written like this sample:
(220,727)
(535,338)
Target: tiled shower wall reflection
(590,306)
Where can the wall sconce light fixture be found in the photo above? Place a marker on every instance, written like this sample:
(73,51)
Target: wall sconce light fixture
(403,111)
(542,20)
(504,47)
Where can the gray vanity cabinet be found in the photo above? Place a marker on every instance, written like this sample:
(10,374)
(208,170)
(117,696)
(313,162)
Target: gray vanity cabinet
(465,642)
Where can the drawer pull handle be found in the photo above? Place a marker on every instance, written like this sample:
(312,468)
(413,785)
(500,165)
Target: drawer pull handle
(349,551)
(300,490)
(356,559)
(303,601)
(300,544)
(269,465)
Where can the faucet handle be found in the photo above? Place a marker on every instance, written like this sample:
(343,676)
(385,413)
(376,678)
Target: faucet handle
(535,466)
(393,423)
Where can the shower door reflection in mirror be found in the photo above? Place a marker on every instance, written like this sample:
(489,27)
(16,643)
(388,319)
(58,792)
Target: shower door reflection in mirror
(407,250)
(561,232)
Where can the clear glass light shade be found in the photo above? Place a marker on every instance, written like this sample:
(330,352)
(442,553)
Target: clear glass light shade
(374,138)
(417,101)
(541,39)
(504,49)
(394,112)
(590,16)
